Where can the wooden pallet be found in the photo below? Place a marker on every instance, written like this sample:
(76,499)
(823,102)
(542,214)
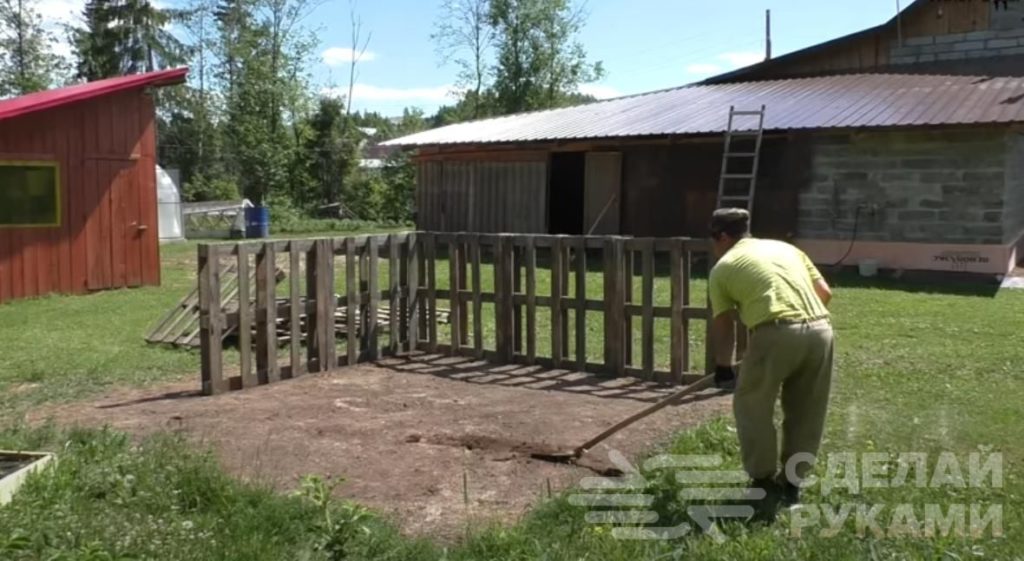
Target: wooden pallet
(179,327)
(340,321)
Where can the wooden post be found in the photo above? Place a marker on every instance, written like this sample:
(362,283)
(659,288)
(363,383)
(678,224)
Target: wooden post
(431,256)
(455,301)
(245,314)
(352,301)
(326,305)
(615,302)
(566,267)
(557,289)
(517,288)
(463,317)
(478,324)
(373,270)
(531,301)
(581,305)
(413,300)
(678,343)
(394,277)
(628,268)
(267,370)
(210,321)
(295,308)
(647,320)
(503,299)
(709,351)
(313,337)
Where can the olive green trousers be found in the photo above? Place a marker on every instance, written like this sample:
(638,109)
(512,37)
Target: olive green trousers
(794,360)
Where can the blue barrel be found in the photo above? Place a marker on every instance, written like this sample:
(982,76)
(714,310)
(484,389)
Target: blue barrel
(257,222)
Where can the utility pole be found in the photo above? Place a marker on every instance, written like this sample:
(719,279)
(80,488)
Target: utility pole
(768,34)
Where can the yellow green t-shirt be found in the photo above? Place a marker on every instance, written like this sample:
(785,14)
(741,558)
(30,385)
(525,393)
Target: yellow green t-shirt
(765,280)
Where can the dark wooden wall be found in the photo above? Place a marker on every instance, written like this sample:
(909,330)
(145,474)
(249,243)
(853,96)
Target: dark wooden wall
(479,195)
(671,190)
(108,235)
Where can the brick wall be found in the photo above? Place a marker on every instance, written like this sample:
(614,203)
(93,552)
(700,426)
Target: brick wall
(932,187)
(958,46)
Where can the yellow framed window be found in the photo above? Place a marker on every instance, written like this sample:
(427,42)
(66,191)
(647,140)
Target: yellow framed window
(29,194)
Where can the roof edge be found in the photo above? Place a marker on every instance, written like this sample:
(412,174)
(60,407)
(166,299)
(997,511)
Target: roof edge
(49,99)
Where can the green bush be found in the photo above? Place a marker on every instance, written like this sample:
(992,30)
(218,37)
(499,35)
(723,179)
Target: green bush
(201,188)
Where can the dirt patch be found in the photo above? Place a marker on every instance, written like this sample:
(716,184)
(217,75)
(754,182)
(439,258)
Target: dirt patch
(436,443)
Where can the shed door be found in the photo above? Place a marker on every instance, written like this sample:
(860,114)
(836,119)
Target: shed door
(602,193)
(114,224)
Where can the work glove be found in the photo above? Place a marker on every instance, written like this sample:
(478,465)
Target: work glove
(725,378)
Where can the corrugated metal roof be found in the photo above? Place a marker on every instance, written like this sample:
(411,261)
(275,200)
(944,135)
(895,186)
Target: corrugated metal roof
(846,101)
(40,101)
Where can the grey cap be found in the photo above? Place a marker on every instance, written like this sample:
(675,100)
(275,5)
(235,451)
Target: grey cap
(734,221)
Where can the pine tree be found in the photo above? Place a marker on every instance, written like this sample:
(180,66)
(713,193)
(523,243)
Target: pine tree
(124,37)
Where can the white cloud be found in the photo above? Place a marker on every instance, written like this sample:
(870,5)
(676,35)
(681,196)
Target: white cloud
(742,58)
(725,62)
(336,56)
(362,93)
(703,68)
(600,91)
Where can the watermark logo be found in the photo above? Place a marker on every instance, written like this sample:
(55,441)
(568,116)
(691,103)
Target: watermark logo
(629,504)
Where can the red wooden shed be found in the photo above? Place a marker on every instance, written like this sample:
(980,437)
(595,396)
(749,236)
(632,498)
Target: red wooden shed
(78,208)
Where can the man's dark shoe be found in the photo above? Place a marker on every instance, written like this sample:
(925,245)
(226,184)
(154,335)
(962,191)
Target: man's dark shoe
(764,496)
(790,494)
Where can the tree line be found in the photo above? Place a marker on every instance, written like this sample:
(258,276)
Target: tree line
(254,122)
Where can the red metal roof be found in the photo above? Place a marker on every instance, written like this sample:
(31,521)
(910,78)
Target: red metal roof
(829,102)
(40,101)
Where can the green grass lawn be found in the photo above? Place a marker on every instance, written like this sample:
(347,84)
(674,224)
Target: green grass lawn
(920,369)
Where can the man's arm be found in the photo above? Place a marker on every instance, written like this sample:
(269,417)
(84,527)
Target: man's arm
(723,337)
(821,287)
(824,292)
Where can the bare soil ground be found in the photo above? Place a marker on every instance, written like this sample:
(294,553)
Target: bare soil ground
(436,443)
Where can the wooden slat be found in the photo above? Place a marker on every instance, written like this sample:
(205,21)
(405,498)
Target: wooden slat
(267,370)
(628,271)
(678,343)
(517,289)
(312,313)
(326,305)
(581,308)
(647,321)
(352,300)
(211,355)
(557,289)
(478,324)
(615,301)
(294,299)
(245,318)
(503,303)
(412,267)
(455,280)
(531,302)
(374,289)
(566,266)
(463,266)
(430,246)
(394,296)
(686,304)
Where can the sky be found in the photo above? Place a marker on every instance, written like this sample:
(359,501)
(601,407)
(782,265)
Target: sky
(644,44)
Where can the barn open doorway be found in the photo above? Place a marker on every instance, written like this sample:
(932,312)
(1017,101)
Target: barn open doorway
(565,193)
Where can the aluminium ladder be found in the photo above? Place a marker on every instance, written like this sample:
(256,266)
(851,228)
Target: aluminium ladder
(736,189)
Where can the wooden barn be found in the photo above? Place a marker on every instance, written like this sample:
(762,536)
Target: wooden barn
(868,154)
(78,209)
